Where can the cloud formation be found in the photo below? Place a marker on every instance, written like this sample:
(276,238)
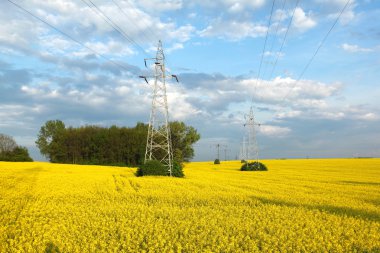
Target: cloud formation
(355,48)
(303,21)
(233,30)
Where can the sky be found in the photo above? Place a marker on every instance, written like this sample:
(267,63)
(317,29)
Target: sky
(310,71)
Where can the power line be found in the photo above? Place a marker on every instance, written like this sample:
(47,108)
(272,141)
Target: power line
(324,39)
(283,41)
(256,84)
(265,43)
(316,51)
(262,55)
(153,32)
(70,37)
(278,24)
(276,32)
(125,14)
(113,25)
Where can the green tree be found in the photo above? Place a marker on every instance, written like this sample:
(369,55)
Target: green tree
(108,146)
(10,151)
(50,140)
(183,137)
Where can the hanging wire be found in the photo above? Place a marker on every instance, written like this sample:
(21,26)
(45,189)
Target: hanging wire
(70,37)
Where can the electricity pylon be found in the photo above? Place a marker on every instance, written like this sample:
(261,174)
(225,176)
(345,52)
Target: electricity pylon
(218,146)
(250,147)
(243,150)
(158,144)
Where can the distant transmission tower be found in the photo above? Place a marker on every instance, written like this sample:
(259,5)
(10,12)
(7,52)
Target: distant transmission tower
(250,147)
(243,150)
(158,144)
(218,146)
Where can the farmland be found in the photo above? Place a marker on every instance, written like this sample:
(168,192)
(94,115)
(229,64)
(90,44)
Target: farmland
(297,206)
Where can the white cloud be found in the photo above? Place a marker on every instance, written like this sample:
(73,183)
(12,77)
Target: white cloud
(230,5)
(368,116)
(175,46)
(161,5)
(274,54)
(111,47)
(254,4)
(329,112)
(84,24)
(280,15)
(18,32)
(311,103)
(233,30)
(289,90)
(179,106)
(302,21)
(355,48)
(288,114)
(274,131)
(181,34)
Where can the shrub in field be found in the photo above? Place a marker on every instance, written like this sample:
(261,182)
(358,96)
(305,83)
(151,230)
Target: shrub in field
(254,166)
(217,161)
(152,168)
(243,161)
(156,168)
(177,170)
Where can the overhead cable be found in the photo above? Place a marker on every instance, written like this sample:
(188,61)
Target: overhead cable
(70,37)
(283,40)
(317,50)
(117,28)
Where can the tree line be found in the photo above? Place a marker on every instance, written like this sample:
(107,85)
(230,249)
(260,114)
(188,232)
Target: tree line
(122,146)
(10,151)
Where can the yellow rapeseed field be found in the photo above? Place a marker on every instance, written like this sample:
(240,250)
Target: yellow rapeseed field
(329,205)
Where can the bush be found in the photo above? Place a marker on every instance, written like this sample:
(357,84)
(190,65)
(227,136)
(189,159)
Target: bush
(243,161)
(254,166)
(216,161)
(177,170)
(152,168)
(156,168)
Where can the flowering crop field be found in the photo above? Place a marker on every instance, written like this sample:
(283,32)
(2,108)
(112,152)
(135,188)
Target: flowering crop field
(327,205)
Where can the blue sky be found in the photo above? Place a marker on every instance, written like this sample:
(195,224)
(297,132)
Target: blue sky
(215,48)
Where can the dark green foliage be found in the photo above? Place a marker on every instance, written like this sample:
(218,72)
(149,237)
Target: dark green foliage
(217,161)
(9,151)
(19,154)
(50,138)
(93,144)
(152,168)
(120,146)
(243,161)
(156,168)
(183,137)
(177,170)
(254,166)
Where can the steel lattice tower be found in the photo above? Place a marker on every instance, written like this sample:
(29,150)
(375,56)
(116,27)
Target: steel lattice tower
(250,147)
(243,150)
(158,144)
